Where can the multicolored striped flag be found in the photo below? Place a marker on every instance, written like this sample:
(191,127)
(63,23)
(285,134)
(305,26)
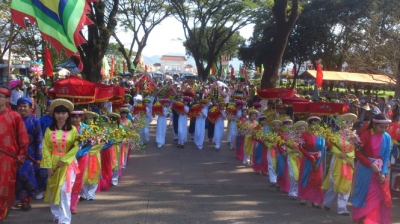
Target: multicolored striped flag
(59,21)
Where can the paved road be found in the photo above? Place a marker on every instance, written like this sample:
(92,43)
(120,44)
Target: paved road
(189,186)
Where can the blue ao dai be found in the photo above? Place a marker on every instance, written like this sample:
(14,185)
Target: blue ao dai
(233,128)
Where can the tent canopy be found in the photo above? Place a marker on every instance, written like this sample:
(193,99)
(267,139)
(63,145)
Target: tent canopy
(67,64)
(351,77)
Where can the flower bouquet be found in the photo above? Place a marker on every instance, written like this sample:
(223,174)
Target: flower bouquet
(92,135)
(189,92)
(272,138)
(231,111)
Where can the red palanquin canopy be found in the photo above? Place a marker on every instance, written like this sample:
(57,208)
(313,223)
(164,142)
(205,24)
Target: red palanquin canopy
(119,93)
(273,93)
(104,92)
(74,87)
(320,108)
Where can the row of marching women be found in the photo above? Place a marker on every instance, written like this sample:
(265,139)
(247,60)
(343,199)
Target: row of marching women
(68,156)
(311,163)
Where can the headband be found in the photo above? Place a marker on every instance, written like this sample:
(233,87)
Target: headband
(381,121)
(77,112)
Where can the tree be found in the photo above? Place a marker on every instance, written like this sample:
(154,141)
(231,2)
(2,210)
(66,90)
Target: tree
(213,23)
(103,14)
(140,17)
(229,48)
(8,32)
(285,18)
(113,49)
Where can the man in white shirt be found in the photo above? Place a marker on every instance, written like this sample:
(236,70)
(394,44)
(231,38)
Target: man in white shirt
(16,93)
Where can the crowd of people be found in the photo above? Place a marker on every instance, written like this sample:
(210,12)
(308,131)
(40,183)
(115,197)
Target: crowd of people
(40,158)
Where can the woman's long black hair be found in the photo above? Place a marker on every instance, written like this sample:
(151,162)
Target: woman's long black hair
(376,117)
(68,125)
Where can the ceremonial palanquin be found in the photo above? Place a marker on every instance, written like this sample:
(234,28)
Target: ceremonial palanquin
(179,107)
(157,109)
(139,109)
(195,110)
(214,114)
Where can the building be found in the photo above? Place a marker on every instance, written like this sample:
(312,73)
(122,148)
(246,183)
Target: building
(173,64)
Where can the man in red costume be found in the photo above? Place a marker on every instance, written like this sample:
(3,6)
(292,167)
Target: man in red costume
(13,144)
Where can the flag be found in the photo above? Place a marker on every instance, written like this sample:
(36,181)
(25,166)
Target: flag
(319,77)
(133,66)
(119,66)
(60,22)
(246,75)
(212,70)
(262,71)
(106,66)
(48,66)
(293,70)
(241,72)
(112,70)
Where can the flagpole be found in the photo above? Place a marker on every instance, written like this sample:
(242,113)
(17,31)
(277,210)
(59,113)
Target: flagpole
(9,52)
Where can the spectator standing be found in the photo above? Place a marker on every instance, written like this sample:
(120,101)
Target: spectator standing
(16,93)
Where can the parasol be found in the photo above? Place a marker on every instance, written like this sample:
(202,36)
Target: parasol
(168,77)
(63,72)
(221,84)
(14,83)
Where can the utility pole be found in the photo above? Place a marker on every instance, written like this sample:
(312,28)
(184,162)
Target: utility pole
(9,52)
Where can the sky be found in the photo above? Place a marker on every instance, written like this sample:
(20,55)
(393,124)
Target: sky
(167,37)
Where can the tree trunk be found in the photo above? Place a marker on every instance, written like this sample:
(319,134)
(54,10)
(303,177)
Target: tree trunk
(99,34)
(284,26)
(397,90)
(202,73)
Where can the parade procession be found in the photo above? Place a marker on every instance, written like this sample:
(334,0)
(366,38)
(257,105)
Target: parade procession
(321,138)
(315,152)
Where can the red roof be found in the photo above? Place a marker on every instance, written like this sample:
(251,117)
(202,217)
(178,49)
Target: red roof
(173,58)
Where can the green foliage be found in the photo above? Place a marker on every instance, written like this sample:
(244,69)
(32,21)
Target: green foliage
(208,26)
(113,49)
(229,47)
(139,18)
